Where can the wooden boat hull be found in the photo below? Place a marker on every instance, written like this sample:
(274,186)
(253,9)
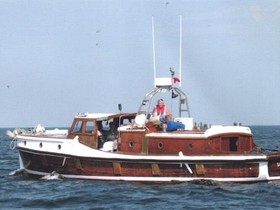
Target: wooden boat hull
(253,169)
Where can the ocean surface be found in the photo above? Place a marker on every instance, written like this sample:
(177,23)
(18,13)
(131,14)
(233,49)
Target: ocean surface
(17,191)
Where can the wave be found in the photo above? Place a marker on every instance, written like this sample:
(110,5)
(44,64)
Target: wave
(52,176)
(16,172)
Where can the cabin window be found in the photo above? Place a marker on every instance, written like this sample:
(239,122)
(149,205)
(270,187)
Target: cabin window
(89,127)
(78,127)
(131,144)
(233,143)
(126,122)
(160,145)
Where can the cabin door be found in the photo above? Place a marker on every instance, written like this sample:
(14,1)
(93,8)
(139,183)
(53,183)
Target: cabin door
(86,130)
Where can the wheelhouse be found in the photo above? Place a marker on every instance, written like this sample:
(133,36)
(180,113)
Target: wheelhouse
(92,128)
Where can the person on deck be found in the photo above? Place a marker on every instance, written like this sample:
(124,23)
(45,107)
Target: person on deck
(161,111)
(113,134)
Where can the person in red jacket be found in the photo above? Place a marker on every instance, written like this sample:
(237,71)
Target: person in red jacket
(161,111)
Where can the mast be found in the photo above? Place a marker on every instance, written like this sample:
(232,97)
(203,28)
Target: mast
(154,51)
(180,54)
(166,84)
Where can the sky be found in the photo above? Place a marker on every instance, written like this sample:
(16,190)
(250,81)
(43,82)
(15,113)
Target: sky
(59,58)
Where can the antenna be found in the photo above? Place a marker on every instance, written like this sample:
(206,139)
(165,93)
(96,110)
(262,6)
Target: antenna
(180,57)
(180,51)
(120,107)
(154,50)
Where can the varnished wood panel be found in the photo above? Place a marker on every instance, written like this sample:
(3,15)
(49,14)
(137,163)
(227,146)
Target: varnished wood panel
(99,167)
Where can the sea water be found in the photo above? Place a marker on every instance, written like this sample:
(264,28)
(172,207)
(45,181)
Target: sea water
(52,192)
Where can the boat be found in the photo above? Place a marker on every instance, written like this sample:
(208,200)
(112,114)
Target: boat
(145,148)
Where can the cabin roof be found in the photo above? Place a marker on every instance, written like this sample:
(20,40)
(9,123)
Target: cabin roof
(102,116)
(213,131)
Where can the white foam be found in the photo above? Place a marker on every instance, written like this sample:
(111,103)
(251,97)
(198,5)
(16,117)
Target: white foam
(52,176)
(15,172)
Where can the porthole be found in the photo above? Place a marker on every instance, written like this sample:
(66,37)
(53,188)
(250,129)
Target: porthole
(160,145)
(59,147)
(190,146)
(41,145)
(131,144)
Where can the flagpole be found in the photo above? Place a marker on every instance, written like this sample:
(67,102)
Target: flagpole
(154,51)
(180,57)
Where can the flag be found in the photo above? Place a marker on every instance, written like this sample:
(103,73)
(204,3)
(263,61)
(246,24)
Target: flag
(174,95)
(176,79)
